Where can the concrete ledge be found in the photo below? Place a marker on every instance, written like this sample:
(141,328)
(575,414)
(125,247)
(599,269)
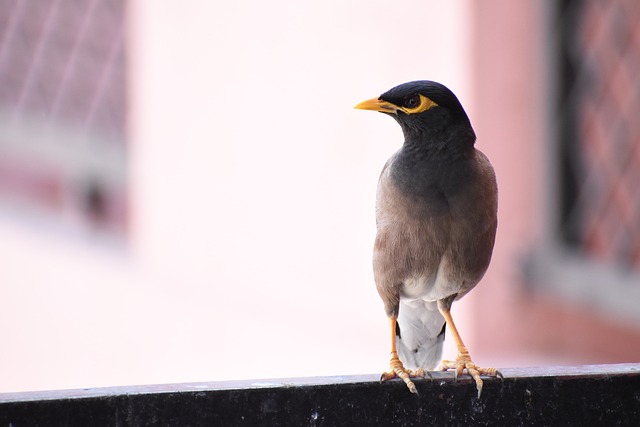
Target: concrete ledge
(577,395)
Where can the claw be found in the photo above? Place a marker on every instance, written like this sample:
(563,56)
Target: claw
(399,371)
(464,362)
(394,374)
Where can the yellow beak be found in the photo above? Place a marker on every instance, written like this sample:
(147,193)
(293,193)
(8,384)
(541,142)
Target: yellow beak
(377,104)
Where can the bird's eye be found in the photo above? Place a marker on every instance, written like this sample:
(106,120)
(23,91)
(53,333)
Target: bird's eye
(412,102)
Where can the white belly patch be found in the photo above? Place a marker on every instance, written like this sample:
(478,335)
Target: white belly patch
(426,287)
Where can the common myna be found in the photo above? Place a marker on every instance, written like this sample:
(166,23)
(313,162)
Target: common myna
(436,217)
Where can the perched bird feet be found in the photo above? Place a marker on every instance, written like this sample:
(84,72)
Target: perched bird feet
(464,362)
(397,370)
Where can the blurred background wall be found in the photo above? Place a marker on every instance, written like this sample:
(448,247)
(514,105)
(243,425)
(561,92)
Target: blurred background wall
(186,193)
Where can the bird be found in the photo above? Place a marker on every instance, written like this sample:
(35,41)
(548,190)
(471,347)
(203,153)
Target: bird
(436,221)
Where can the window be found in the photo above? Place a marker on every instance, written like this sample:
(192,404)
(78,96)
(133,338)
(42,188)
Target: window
(63,113)
(593,252)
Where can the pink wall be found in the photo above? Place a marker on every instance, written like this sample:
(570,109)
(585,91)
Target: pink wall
(510,85)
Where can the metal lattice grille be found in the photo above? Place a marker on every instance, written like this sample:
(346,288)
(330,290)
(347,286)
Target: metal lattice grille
(600,152)
(64,60)
(63,108)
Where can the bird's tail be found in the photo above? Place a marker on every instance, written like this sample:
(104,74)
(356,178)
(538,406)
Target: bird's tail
(420,334)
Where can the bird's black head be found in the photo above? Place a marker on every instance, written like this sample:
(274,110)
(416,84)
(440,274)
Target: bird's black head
(425,110)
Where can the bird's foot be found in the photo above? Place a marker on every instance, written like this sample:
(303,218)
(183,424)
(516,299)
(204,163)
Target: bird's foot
(397,370)
(462,362)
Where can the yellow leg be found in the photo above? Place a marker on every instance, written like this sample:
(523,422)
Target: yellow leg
(397,368)
(463,361)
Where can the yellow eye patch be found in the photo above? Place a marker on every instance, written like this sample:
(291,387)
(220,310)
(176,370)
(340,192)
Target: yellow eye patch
(424,105)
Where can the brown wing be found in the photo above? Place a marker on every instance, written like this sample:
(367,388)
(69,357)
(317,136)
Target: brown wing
(446,237)
(474,221)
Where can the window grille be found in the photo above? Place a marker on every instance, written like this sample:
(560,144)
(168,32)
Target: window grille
(590,252)
(600,130)
(63,111)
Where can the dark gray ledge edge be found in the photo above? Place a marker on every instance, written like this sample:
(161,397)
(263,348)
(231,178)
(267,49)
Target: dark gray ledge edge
(558,395)
(513,373)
